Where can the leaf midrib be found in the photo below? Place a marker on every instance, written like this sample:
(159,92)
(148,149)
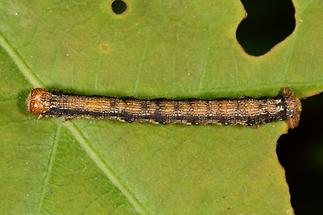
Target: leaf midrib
(74,130)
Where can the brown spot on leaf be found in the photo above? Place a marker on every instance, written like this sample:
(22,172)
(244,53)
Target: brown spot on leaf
(104,48)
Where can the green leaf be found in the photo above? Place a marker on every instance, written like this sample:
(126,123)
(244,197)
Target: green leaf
(173,49)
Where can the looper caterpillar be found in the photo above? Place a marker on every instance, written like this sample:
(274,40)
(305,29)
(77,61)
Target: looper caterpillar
(244,111)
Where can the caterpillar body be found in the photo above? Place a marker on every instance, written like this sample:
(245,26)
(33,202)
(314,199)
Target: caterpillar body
(244,111)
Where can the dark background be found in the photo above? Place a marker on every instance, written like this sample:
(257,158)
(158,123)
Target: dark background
(301,154)
(301,150)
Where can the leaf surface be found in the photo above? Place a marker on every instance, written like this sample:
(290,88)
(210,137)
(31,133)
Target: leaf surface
(172,49)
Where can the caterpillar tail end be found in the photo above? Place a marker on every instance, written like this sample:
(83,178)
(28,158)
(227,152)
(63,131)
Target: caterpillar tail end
(294,107)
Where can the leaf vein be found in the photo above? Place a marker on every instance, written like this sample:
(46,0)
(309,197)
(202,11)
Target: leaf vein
(36,82)
(21,64)
(103,167)
(141,63)
(50,167)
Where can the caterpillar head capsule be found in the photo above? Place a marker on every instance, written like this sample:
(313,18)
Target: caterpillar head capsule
(38,101)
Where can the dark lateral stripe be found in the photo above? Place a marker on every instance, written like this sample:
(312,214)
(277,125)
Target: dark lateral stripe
(129,117)
(224,111)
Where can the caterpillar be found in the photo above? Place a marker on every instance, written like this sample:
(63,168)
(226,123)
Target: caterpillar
(244,111)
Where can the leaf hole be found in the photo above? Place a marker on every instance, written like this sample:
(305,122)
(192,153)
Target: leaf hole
(119,7)
(300,152)
(268,22)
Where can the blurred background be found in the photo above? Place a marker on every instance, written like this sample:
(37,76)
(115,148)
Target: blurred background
(300,151)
